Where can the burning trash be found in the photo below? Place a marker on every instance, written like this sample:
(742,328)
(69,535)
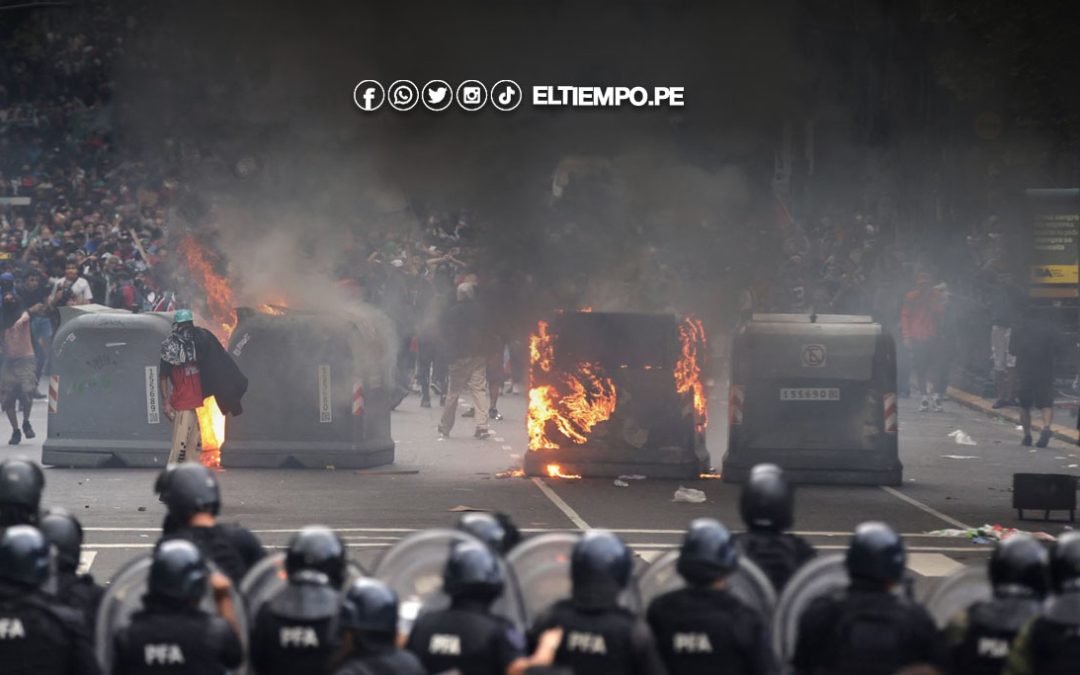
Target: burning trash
(614,394)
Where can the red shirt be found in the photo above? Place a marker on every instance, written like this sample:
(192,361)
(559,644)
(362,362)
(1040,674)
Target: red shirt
(186,387)
(921,314)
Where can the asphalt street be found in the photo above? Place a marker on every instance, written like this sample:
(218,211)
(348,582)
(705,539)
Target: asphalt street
(946,485)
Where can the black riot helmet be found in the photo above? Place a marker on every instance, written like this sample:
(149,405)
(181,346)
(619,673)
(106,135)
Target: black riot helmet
(179,572)
(600,567)
(24,556)
(708,553)
(472,572)
(1020,565)
(317,549)
(189,489)
(62,530)
(876,553)
(767,501)
(485,527)
(21,485)
(370,606)
(1065,563)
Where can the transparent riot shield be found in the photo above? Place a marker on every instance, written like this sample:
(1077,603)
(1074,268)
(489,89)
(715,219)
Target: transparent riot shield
(414,569)
(957,592)
(124,598)
(749,584)
(819,577)
(267,578)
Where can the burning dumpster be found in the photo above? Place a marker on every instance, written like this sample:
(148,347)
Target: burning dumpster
(613,394)
(816,395)
(104,403)
(318,390)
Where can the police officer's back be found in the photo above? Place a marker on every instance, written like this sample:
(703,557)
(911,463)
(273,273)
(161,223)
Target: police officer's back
(703,628)
(193,498)
(295,632)
(369,614)
(979,637)
(171,634)
(867,629)
(599,636)
(79,591)
(21,485)
(496,530)
(767,506)
(37,635)
(1050,643)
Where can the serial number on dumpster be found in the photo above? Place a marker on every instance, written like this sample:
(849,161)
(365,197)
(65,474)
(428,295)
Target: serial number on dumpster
(810,394)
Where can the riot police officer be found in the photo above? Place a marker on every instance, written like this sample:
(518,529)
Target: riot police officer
(171,634)
(368,617)
(21,485)
(767,506)
(79,591)
(468,638)
(599,636)
(1050,644)
(979,637)
(867,629)
(193,497)
(37,635)
(495,530)
(703,628)
(294,631)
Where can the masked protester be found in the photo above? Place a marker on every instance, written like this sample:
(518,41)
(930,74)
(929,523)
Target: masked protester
(703,628)
(368,618)
(868,629)
(18,373)
(38,636)
(193,498)
(767,506)
(294,631)
(979,637)
(1050,644)
(21,485)
(78,591)
(171,634)
(599,636)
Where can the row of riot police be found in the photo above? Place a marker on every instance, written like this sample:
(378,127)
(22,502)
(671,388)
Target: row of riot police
(479,599)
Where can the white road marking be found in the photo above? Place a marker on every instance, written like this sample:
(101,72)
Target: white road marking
(86,561)
(560,504)
(932,564)
(929,509)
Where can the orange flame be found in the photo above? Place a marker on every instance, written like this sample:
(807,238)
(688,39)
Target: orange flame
(555,471)
(688,368)
(571,402)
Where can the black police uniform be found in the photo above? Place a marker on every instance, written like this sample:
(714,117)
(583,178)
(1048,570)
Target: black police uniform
(180,640)
(39,637)
(1050,645)
(81,593)
(296,632)
(608,640)
(467,637)
(385,660)
(992,626)
(865,631)
(708,630)
(232,548)
(778,554)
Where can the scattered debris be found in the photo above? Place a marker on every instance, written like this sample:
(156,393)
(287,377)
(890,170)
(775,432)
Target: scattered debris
(512,472)
(960,456)
(636,476)
(461,508)
(142,508)
(961,437)
(689,495)
(988,534)
(621,483)
(331,467)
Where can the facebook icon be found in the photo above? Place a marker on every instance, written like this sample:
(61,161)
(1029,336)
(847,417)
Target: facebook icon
(369,95)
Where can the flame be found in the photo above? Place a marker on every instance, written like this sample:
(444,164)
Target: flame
(688,368)
(212,431)
(555,471)
(571,401)
(275,310)
(710,476)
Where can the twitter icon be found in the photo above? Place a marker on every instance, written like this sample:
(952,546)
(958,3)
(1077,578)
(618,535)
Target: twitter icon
(437,95)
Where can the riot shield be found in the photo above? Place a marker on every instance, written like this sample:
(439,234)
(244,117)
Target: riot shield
(542,568)
(749,584)
(267,578)
(820,577)
(957,592)
(414,568)
(124,598)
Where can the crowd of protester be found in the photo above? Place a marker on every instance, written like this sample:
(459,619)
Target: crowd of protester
(313,611)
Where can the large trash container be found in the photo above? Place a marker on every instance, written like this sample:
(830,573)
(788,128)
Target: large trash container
(616,393)
(318,390)
(104,403)
(816,395)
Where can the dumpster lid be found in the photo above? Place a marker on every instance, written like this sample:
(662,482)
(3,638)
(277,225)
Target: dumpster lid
(805,318)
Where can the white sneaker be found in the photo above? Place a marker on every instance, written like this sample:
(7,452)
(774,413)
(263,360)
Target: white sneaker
(924,405)
(935,404)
